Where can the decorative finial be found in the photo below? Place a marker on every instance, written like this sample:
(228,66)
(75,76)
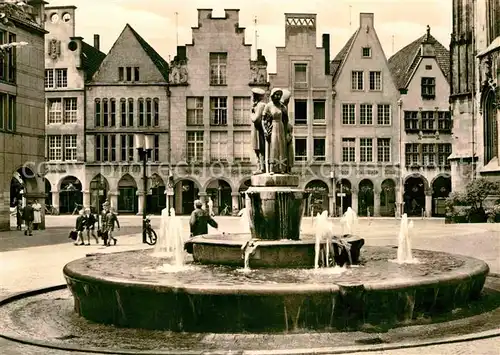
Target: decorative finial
(428,31)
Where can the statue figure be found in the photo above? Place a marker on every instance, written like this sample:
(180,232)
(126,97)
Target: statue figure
(285,99)
(257,132)
(274,130)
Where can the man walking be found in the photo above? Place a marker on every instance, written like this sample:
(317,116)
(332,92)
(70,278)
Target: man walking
(28,216)
(90,226)
(200,219)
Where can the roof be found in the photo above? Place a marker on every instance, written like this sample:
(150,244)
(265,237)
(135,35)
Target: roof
(340,58)
(18,14)
(402,64)
(157,59)
(91,59)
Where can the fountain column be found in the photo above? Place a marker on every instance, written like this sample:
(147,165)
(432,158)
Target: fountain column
(428,202)
(55,200)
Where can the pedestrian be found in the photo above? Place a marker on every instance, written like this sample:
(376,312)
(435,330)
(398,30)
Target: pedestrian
(200,220)
(81,222)
(37,208)
(90,226)
(110,221)
(28,216)
(19,214)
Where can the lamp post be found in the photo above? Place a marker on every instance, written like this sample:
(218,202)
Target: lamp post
(144,144)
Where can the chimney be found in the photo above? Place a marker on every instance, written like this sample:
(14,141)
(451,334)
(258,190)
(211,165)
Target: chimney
(96,42)
(326,47)
(181,52)
(366,20)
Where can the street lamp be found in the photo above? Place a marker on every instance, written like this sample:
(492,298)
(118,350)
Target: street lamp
(144,144)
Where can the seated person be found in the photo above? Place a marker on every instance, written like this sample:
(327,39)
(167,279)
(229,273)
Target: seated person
(200,219)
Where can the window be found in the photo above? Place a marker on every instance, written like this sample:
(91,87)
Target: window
(349,150)
(129,73)
(195,146)
(357,81)
(105,112)
(56,78)
(428,154)
(428,88)
(136,73)
(70,148)
(12,59)
(105,147)
(140,108)
(242,146)
(241,110)
(98,148)
(61,78)
(70,110)
(412,157)
(319,110)
(55,148)
(131,112)
(55,110)
(97,112)
(444,151)
(218,111)
(427,120)
(384,115)
(411,120)
(348,114)
(120,74)
(123,112)
(127,147)
(366,149)
(149,112)
(300,71)
(156,112)
(444,121)
(218,68)
(365,114)
(3,105)
(156,149)
(218,146)
(428,67)
(300,112)
(11,118)
(319,148)
(49,78)
(194,114)
(375,81)
(300,149)
(383,150)
(113,148)
(366,52)
(112,113)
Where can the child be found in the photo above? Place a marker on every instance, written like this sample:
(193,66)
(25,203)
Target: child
(110,221)
(90,226)
(80,227)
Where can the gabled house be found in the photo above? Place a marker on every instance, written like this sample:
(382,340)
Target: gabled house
(366,125)
(127,94)
(69,63)
(421,71)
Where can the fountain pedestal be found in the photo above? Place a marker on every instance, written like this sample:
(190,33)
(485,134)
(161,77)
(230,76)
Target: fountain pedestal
(276,206)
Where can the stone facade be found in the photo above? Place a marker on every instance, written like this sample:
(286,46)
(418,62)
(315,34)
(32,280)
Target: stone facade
(304,69)
(366,147)
(127,95)
(22,128)
(474,90)
(210,114)
(421,70)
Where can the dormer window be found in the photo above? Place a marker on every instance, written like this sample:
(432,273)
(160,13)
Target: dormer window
(128,74)
(366,52)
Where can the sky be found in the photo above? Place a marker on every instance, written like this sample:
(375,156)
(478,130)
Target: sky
(397,22)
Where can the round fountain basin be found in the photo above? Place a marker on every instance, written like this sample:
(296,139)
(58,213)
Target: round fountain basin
(228,249)
(130,290)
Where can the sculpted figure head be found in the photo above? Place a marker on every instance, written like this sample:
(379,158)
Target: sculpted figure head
(276,95)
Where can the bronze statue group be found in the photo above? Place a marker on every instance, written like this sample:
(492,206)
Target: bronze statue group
(272,133)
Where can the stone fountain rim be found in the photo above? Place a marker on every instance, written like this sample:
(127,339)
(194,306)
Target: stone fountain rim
(472,267)
(324,350)
(213,240)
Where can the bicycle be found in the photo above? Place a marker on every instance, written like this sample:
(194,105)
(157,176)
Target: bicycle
(226,211)
(151,236)
(51,210)
(77,209)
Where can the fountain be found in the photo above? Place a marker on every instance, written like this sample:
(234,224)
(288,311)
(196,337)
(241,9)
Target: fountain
(289,278)
(170,243)
(404,243)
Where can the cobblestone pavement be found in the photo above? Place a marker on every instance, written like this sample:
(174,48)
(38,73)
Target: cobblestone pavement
(33,262)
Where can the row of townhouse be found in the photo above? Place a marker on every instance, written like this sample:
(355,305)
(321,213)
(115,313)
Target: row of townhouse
(369,133)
